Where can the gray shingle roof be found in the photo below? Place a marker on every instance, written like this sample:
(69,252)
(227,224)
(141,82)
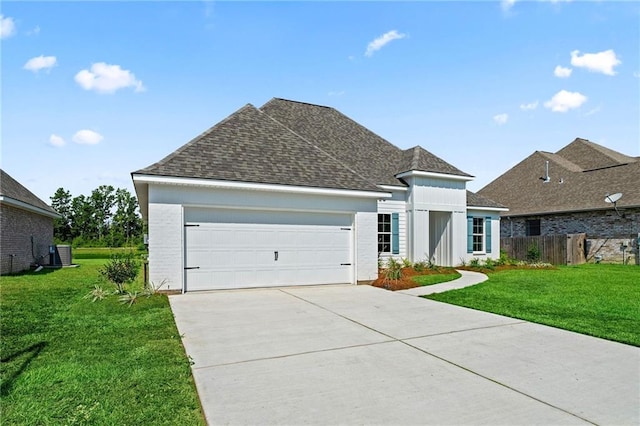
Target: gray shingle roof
(11,188)
(250,146)
(418,158)
(582,173)
(476,200)
(296,143)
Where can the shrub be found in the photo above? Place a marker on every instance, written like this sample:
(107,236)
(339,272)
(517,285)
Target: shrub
(533,253)
(474,263)
(393,271)
(120,270)
(406,263)
(490,264)
(420,266)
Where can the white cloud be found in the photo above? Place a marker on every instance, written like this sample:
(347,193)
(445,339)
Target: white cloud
(382,41)
(55,140)
(636,74)
(562,72)
(105,78)
(501,119)
(563,101)
(7,27)
(602,62)
(506,5)
(87,137)
(40,62)
(530,106)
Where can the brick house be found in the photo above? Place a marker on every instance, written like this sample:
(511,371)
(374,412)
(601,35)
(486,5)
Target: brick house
(26,227)
(564,193)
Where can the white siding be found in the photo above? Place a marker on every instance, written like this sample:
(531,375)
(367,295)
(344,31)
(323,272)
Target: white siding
(166,228)
(441,196)
(366,246)
(262,200)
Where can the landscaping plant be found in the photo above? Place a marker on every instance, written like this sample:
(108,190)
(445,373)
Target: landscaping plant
(120,270)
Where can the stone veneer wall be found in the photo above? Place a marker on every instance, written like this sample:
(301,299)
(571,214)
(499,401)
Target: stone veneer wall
(16,228)
(605,231)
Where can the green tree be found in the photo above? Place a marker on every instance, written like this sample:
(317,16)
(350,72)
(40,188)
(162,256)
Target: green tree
(126,224)
(61,202)
(83,225)
(102,201)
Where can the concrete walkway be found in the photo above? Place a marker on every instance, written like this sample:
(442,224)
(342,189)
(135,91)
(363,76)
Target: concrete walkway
(363,355)
(467,279)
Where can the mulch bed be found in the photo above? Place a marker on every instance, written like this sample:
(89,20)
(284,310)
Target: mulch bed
(405,282)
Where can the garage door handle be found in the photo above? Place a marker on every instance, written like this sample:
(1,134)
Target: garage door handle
(192,267)
(275,256)
(345,264)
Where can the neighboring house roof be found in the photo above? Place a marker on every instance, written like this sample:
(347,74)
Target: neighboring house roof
(295,143)
(13,193)
(581,175)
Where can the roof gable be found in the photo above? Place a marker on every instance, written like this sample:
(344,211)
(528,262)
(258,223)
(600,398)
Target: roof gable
(11,188)
(250,146)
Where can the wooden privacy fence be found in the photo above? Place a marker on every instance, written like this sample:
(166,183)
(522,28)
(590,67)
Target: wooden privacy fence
(554,249)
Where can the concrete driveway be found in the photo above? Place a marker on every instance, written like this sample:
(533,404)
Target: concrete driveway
(362,355)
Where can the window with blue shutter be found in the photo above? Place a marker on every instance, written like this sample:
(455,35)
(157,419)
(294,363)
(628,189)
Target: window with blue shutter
(395,233)
(487,228)
(469,234)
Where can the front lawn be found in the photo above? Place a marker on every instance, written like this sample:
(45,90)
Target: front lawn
(66,360)
(598,300)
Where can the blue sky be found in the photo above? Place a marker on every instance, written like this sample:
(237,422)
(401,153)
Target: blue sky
(92,91)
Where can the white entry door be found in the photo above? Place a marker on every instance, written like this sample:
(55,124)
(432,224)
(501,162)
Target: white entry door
(289,250)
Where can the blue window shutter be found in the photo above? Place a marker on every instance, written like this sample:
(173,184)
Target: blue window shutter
(395,234)
(469,234)
(487,232)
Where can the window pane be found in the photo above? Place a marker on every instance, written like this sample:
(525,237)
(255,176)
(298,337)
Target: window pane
(384,243)
(477,243)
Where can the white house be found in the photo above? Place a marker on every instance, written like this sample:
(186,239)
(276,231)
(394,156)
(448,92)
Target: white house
(299,194)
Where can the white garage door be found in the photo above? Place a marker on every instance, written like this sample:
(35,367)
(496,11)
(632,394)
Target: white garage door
(239,249)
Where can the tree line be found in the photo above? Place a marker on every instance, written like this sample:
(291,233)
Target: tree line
(108,217)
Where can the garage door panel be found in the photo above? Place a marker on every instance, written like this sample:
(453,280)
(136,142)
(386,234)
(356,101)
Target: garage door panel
(236,255)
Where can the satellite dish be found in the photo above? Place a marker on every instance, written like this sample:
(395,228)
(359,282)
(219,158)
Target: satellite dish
(613,198)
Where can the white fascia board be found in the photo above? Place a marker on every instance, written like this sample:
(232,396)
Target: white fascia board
(170,180)
(489,209)
(24,206)
(393,188)
(411,173)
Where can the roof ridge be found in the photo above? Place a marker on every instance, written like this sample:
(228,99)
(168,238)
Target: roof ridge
(299,102)
(318,148)
(416,157)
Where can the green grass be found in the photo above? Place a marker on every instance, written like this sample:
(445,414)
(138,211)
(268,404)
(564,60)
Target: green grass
(66,360)
(102,252)
(597,300)
(435,278)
